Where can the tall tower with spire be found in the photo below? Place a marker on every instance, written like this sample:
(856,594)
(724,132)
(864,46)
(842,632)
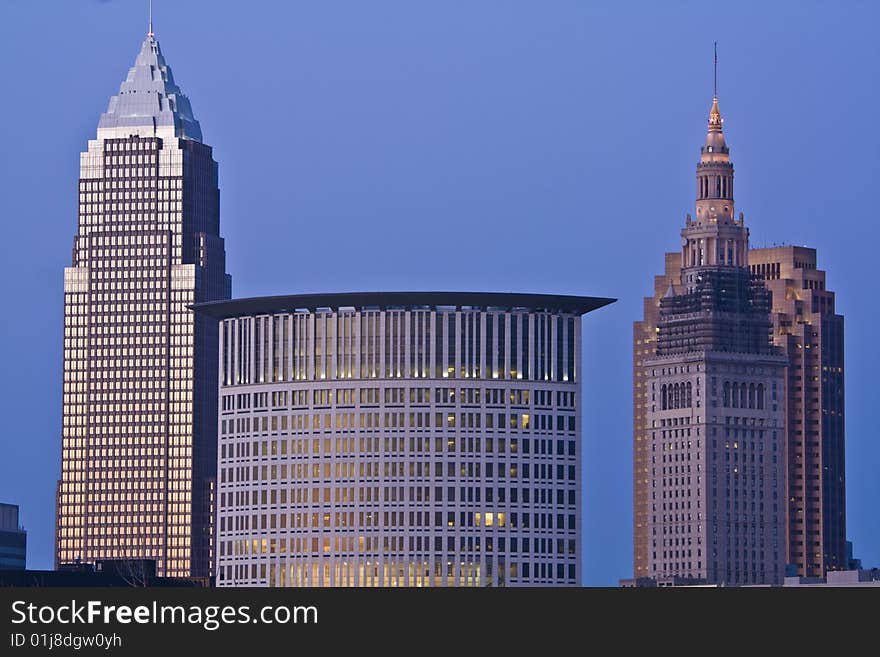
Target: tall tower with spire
(140,369)
(714,238)
(708,410)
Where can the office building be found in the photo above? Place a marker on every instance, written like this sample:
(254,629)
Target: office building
(809,332)
(140,379)
(13,539)
(807,328)
(400,439)
(709,403)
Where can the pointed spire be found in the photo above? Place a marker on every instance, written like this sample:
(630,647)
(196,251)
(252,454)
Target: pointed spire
(150,32)
(715,120)
(714,83)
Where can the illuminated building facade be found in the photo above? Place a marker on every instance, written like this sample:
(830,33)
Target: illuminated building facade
(709,403)
(400,439)
(140,378)
(808,330)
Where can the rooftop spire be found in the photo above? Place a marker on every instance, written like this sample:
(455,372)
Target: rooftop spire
(715,119)
(150,33)
(714,85)
(715,171)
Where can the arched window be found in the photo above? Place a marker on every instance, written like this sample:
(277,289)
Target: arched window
(734,395)
(689,401)
(726,403)
(760,395)
(751,395)
(663,397)
(743,396)
(675,396)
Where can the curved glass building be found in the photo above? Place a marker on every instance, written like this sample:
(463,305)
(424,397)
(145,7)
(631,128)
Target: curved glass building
(399,439)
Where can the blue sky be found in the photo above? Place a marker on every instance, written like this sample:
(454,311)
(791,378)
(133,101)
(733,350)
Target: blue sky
(504,145)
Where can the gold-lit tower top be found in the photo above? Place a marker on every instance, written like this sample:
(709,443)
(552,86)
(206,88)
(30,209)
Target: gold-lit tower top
(715,120)
(714,238)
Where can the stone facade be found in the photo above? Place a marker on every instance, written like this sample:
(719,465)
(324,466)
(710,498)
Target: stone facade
(709,411)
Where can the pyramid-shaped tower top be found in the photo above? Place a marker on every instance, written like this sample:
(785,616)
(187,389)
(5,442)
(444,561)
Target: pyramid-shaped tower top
(149,102)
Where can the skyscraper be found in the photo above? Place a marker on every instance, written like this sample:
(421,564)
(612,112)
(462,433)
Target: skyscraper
(400,439)
(709,407)
(140,369)
(809,331)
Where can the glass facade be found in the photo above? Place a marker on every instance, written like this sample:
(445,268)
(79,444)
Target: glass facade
(138,436)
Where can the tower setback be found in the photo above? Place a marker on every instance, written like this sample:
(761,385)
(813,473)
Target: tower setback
(709,403)
(809,331)
(140,369)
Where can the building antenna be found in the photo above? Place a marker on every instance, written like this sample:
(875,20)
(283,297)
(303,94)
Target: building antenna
(714,83)
(150,33)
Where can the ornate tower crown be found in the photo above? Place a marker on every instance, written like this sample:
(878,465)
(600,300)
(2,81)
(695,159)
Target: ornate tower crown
(715,149)
(714,238)
(715,119)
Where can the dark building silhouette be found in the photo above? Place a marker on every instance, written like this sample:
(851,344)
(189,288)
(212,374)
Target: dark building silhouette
(103,573)
(13,539)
